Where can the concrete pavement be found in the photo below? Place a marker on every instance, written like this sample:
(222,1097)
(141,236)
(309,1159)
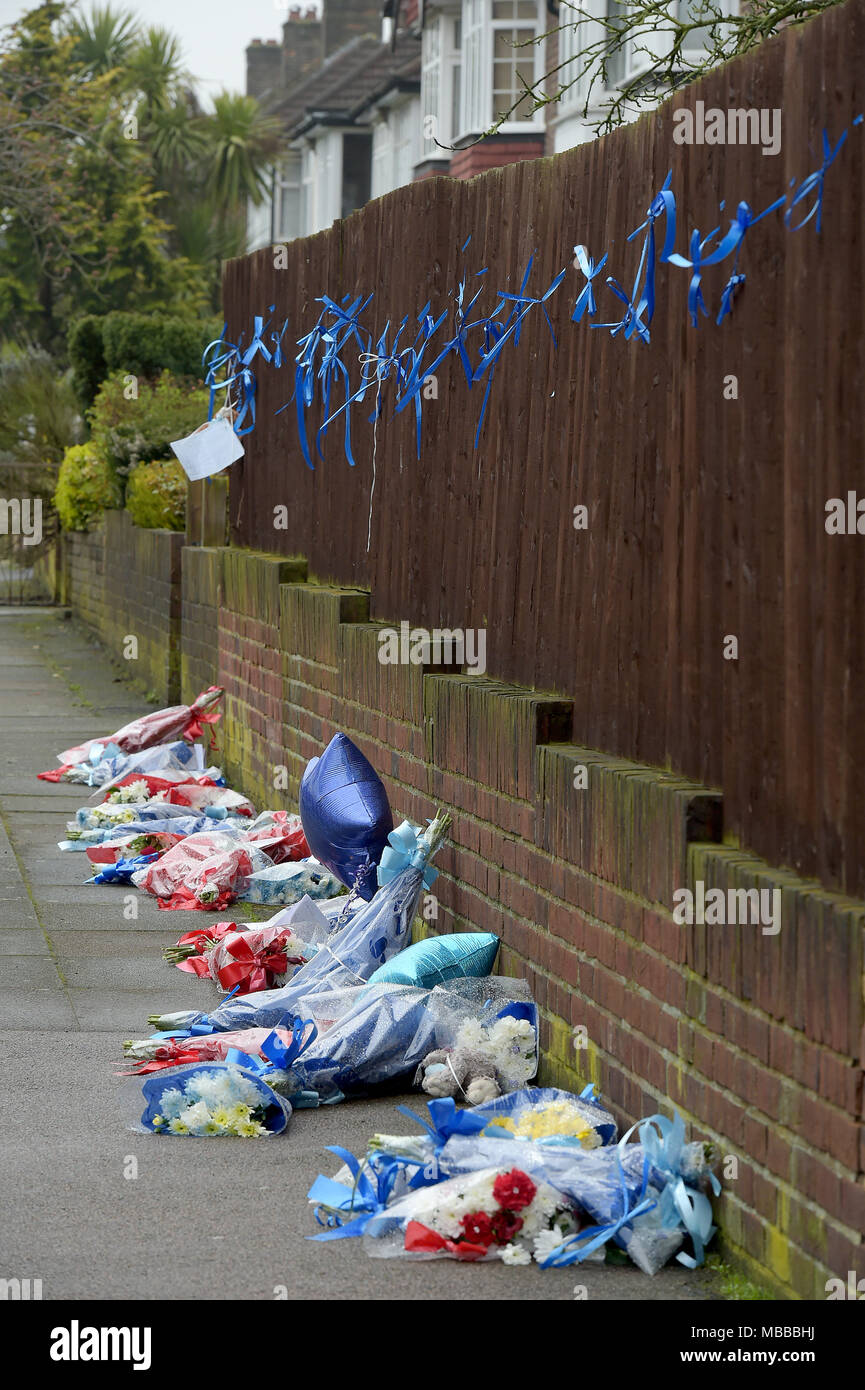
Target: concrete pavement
(202,1219)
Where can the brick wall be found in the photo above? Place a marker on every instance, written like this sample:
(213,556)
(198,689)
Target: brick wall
(83,583)
(493,152)
(756,1039)
(344,20)
(124,582)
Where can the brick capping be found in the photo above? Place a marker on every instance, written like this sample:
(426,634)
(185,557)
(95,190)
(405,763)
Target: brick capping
(756,1039)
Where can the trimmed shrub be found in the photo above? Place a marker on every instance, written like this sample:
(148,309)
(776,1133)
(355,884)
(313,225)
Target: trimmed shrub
(86,487)
(141,345)
(87,355)
(139,430)
(156,495)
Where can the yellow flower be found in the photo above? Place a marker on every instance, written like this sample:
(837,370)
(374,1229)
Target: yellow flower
(557,1118)
(249,1129)
(178,1127)
(239,1111)
(158,1120)
(222,1116)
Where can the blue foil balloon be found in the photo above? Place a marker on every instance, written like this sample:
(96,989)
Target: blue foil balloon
(345,813)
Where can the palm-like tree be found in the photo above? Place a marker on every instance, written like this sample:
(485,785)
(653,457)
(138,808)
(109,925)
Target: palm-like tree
(242,142)
(177,139)
(155,70)
(104,39)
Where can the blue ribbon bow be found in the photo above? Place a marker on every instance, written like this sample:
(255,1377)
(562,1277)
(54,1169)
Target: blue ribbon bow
(405,851)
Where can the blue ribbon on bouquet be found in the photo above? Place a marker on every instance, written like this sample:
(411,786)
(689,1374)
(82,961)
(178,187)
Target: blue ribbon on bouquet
(282,1055)
(576,1248)
(368,1197)
(404,851)
(445,1120)
(663,1140)
(122,871)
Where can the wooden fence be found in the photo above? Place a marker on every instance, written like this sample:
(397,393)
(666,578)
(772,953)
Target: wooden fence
(705,459)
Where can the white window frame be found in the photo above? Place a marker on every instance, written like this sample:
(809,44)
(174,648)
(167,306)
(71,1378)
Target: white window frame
(476,103)
(382,158)
(404,127)
(441,60)
(576,35)
(309,192)
(289,175)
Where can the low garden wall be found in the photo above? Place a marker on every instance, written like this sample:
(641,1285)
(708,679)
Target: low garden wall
(124,582)
(573,857)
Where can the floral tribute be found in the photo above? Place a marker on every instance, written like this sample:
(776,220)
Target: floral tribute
(488,1215)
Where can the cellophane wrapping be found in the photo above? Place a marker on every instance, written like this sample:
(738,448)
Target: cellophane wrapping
(375,932)
(213,1087)
(369,1036)
(207,870)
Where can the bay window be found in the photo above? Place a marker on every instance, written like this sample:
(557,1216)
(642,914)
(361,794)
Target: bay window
(499,60)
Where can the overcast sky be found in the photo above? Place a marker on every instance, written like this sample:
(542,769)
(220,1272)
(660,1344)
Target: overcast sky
(214,33)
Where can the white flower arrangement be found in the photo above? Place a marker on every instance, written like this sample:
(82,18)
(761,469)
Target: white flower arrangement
(536,1219)
(212,1103)
(135,791)
(510,1045)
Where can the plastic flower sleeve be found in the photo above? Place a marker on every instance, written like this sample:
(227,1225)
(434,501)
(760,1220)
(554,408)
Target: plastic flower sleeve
(162,726)
(375,933)
(212,1100)
(371,1036)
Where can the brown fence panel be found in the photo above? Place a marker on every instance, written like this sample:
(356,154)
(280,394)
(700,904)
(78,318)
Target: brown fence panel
(706,514)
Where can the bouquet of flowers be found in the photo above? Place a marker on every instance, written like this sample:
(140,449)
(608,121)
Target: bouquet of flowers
(645,1196)
(111,764)
(287,883)
(173,1049)
(545,1115)
(164,726)
(213,1100)
(369,1036)
(200,794)
(142,824)
(493,1213)
(374,932)
(239,958)
(206,870)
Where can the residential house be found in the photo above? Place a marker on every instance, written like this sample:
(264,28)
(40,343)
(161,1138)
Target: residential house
(373,94)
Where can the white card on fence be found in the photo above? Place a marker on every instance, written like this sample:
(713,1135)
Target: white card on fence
(208,450)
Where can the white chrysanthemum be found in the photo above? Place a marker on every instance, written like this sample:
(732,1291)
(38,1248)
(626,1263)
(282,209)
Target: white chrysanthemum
(516,1255)
(171,1103)
(197,1117)
(237,1089)
(202,1085)
(543,1207)
(447,1220)
(472,1034)
(546,1241)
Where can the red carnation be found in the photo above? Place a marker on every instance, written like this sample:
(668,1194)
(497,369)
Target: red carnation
(505,1227)
(478,1228)
(514,1190)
